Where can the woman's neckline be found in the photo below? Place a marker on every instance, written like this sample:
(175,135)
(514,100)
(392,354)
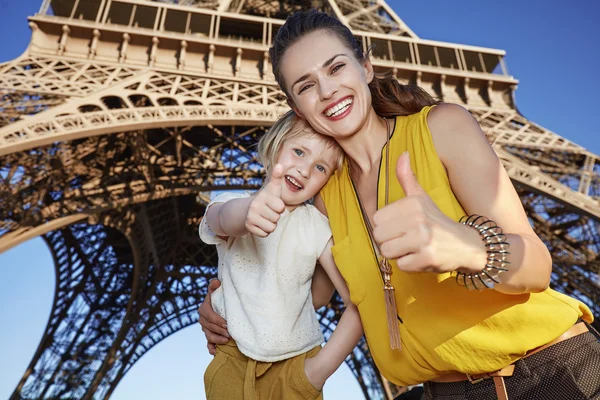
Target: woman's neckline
(377,162)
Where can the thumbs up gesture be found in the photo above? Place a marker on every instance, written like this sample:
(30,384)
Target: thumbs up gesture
(414,232)
(267,206)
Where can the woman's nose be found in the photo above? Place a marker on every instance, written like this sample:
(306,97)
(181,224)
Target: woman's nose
(327,88)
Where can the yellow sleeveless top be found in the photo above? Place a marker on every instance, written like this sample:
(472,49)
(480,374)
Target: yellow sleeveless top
(444,327)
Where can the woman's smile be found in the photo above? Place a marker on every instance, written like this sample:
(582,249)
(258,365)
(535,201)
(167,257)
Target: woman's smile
(340,109)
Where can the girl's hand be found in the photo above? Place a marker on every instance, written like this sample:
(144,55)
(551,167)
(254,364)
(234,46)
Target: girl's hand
(414,232)
(213,326)
(266,206)
(311,370)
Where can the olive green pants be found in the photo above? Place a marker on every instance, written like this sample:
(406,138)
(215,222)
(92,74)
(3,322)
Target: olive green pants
(232,376)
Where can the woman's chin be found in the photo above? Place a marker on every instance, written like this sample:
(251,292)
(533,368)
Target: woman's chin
(347,126)
(342,129)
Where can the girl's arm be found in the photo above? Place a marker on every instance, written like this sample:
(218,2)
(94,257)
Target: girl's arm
(257,214)
(346,335)
(229,218)
(322,288)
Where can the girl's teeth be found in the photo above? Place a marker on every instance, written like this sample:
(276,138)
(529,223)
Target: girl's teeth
(293,182)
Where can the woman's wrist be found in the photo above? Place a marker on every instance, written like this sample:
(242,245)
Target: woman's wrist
(496,250)
(475,257)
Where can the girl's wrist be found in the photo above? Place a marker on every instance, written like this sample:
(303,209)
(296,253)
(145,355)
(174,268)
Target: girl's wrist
(314,370)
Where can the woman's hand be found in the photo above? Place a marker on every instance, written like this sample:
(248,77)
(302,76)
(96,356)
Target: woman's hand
(213,326)
(414,232)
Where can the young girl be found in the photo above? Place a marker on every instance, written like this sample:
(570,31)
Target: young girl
(268,244)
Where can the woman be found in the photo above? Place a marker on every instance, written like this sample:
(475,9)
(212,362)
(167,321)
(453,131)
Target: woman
(406,184)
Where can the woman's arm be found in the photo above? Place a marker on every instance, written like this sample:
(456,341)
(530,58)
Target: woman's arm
(482,186)
(415,233)
(213,325)
(345,337)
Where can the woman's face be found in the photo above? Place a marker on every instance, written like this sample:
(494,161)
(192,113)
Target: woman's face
(327,85)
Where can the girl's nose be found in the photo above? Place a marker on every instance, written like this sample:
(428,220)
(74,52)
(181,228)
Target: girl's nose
(302,170)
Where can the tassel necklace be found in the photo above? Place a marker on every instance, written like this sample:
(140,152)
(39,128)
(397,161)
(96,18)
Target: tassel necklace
(383,264)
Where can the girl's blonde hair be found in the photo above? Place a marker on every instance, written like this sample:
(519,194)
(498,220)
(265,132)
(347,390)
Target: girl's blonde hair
(287,127)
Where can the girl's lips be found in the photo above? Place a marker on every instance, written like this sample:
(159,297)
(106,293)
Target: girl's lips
(291,186)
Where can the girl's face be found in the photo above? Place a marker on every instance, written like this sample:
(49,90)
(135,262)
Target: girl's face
(327,85)
(308,162)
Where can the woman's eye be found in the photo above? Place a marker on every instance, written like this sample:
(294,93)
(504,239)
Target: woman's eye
(321,168)
(337,68)
(298,152)
(304,88)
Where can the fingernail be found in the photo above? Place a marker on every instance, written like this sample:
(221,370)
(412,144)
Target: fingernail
(224,326)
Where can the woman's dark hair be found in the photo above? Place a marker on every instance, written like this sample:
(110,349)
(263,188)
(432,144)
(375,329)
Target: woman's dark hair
(389,97)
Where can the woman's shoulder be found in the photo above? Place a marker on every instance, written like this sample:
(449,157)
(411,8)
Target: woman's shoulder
(446,116)
(436,113)
(453,128)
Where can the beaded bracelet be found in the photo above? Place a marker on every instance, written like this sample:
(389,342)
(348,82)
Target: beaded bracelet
(497,252)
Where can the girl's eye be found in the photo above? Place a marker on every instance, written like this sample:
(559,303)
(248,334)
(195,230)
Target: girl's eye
(321,168)
(298,152)
(337,68)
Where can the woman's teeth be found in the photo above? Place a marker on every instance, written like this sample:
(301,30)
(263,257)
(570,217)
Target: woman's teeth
(338,108)
(293,182)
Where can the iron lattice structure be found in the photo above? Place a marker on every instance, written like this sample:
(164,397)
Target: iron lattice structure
(121,111)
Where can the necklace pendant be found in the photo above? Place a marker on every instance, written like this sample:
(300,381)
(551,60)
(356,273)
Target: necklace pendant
(385,267)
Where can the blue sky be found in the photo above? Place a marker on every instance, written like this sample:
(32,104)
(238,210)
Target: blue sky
(552,48)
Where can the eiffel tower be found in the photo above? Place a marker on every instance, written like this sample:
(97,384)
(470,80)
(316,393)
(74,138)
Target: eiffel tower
(121,117)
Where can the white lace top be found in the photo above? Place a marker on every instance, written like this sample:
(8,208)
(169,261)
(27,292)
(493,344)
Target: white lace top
(265,293)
